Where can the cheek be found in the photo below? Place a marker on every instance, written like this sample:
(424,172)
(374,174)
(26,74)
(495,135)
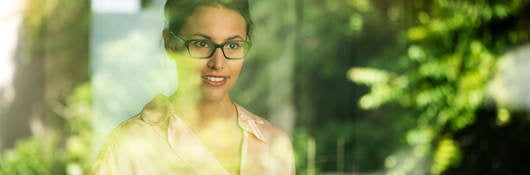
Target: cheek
(236,68)
(190,67)
(197,65)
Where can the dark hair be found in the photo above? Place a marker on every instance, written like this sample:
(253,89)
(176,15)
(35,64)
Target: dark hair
(177,11)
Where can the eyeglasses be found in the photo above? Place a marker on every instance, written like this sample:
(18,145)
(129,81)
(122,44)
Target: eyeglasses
(204,49)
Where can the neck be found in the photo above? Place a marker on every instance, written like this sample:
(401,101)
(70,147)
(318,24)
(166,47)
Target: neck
(221,109)
(200,112)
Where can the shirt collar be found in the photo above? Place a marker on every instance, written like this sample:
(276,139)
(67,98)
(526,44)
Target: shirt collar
(249,123)
(159,109)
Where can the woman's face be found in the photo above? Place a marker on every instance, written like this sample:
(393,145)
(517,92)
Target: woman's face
(218,24)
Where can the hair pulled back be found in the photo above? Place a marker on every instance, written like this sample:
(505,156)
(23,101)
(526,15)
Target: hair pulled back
(177,11)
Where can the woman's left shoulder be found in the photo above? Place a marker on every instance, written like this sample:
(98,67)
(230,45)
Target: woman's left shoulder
(268,130)
(276,141)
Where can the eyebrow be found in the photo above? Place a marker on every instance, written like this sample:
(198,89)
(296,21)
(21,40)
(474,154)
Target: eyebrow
(210,38)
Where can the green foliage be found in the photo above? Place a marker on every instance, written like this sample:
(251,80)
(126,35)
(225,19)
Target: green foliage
(47,155)
(79,129)
(53,37)
(426,65)
(322,96)
(300,146)
(447,154)
(452,48)
(30,156)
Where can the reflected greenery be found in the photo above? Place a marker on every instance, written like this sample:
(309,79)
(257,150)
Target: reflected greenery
(451,53)
(66,151)
(383,87)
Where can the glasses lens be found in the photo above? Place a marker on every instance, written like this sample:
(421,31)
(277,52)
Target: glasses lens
(235,49)
(205,48)
(176,43)
(200,48)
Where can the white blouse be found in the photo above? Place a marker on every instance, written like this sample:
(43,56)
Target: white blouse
(157,141)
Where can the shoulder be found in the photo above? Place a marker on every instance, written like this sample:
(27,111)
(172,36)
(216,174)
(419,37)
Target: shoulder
(132,142)
(140,132)
(278,145)
(269,131)
(129,128)
(144,125)
(153,113)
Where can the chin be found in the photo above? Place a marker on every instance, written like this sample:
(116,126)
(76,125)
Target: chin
(213,95)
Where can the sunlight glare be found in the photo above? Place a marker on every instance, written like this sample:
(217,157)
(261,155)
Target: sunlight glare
(10,19)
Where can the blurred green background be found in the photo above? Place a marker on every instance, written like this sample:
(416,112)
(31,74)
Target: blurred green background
(362,87)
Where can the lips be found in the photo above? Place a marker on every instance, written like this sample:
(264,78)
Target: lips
(213,80)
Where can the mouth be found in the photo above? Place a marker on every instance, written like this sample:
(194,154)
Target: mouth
(214,80)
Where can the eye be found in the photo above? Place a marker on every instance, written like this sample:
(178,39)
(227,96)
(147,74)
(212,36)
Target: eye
(233,45)
(200,43)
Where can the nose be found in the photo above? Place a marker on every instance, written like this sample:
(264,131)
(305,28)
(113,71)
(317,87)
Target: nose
(217,62)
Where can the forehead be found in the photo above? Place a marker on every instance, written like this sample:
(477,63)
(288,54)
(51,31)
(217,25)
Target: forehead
(217,22)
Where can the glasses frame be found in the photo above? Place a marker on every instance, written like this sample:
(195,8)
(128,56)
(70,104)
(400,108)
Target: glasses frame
(215,46)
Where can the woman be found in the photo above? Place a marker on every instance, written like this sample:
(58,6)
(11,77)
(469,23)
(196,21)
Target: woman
(199,130)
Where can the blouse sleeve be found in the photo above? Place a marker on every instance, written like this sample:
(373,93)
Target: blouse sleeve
(282,151)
